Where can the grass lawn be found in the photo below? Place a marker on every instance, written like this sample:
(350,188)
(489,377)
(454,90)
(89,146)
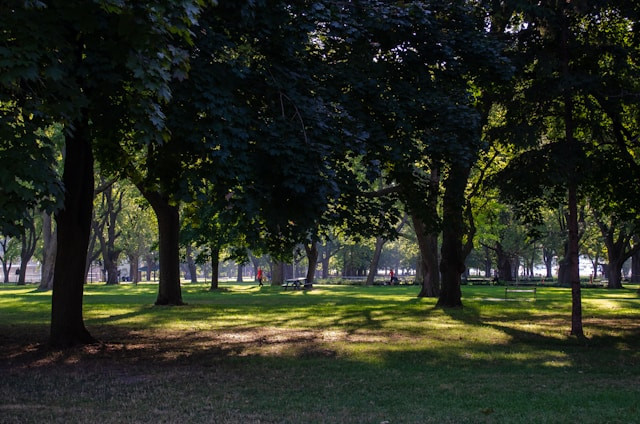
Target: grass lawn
(335,354)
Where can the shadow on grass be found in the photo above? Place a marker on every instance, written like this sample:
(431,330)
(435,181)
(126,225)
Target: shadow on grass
(394,329)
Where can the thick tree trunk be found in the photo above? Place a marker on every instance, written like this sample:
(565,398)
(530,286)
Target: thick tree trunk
(169,290)
(548,261)
(278,274)
(312,257)
(215,267)
(133,268)
(375,261)
(112,270)
(428,249)
(453,231)
(325,267)
(564,268)
(240,271)
(74,228)
(614,275)
(505,265)
(151,263)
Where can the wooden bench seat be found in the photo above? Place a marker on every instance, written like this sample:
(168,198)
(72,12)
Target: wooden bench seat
(519,289)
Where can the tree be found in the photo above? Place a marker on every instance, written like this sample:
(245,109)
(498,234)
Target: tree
(49,249)
(28,239)
(8,253)
(574,60)
(106,227)
(139,230)
(128,53)
(618,237)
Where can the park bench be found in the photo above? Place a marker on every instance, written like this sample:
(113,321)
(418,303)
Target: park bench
(519,289)
(297,283)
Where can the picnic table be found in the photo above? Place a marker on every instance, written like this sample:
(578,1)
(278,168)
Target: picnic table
(297,283)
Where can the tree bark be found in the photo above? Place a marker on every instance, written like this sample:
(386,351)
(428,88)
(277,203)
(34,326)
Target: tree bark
(312,258)
(240,271)
(74,228)
(169,290)
(576,295)
(28,246)
(215,267)
(6,261)
(375,261)
(548,261)
(191,264)
(505,265)
(133,268)
(278,274)
(50,243)
(564,268)
(453,230)
(428,249)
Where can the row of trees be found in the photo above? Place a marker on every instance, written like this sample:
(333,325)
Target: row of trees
(268,123)
(124,230)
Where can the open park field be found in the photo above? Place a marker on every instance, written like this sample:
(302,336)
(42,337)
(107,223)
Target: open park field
(334,354)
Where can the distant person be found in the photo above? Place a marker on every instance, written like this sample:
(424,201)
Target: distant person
(260,277)
(392,278)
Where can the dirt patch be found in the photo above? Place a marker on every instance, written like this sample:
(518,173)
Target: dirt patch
(162,346)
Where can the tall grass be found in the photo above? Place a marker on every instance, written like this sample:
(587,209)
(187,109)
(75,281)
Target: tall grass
(338,354)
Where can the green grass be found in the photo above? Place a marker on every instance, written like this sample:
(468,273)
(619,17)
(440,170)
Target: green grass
(336,354)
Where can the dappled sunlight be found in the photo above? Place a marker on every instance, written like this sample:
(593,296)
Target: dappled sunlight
(612,303)
(364,325)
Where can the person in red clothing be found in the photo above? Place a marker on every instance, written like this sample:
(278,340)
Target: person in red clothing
(391,274)
(260,277)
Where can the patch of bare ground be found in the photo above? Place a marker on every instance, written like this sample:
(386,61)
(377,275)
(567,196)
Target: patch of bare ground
(174,347)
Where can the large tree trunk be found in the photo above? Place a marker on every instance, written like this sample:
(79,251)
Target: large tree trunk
(428,249)
(111,265)
(505,264)
(614,273)
(278,274)
(50,243)
(239,275)
(312,257)
(151,263)
(325,267)
(215,267)
(169,290)
(134,261)
(453,231)
(548,261)
(74,228)
(373,268)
